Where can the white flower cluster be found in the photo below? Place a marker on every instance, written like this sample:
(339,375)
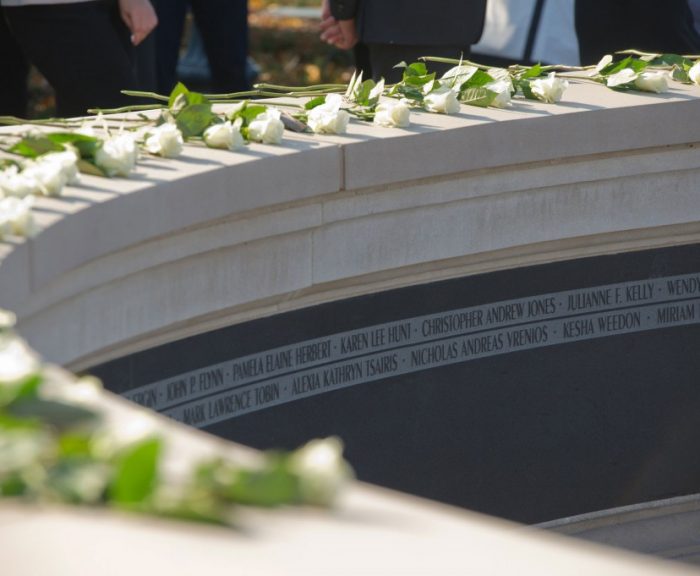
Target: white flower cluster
(46,176)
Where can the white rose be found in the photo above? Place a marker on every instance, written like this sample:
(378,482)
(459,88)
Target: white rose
(68,160)
(321,469)
(17,360)
(117,155)
(694,73)
(443,100)
(549,89)
(49,176)
(392,113)
(165,140)
(328,118)
(652,82)
(7,319)
(502,89)
(16,216)
(16,183)
(226,136)
(267,127)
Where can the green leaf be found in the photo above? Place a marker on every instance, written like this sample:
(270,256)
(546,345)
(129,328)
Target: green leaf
(87,167)
(416,69)
(194,119)
(274,486)
(78,480)
(633,63)
(136,474)
(311,104)
(58,414)
(480,96)
(25,388)
(87,146)
(526,90)
(250,112)
(180,88)
(532,72)
(32,146)
(669,60)
(74,445)
(478,79)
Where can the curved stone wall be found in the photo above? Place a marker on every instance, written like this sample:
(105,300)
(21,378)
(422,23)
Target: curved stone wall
(215,238)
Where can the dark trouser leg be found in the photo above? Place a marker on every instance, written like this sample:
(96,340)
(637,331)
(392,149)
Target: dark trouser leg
(171,21)
(224,28)
(383,58)
(82,49)
(15,70)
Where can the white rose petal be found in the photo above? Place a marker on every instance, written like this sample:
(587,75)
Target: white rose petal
(604,61)
(16,183)
(624,76)
(652,82)
(329,118)
(321,469)
(117,155)
(392,113)
(503,89)
(165,140)
(377,91)
(225,136)
(694,73)
(16,216)
(267,127)
(549,89)
(443,101)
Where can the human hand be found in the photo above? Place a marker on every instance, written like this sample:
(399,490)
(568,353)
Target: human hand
(339,33)
(140,17)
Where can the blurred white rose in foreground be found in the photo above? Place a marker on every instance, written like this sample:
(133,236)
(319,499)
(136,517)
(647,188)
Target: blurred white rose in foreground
(321,469)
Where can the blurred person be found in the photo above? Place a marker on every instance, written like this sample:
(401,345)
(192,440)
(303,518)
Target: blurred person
(84,48)
(15,72)
(223,25)
(605,26)
(403,30)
